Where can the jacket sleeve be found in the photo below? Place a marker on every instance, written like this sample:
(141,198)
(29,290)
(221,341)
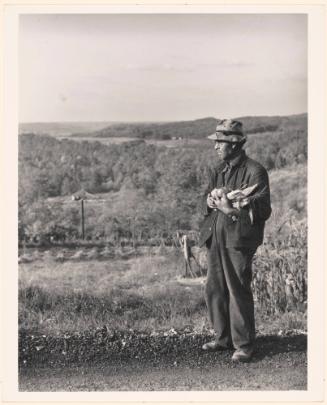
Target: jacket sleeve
(203,207)
(260,200)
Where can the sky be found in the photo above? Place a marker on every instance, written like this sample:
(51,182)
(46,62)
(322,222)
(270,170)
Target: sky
(161,67)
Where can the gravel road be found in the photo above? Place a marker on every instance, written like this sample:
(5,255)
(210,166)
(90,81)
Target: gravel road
(278,364)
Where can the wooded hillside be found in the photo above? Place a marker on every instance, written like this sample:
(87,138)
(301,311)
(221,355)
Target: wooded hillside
(145,188)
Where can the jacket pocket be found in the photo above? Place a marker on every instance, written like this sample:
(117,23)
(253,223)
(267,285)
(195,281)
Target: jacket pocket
(242,232)
(247,230)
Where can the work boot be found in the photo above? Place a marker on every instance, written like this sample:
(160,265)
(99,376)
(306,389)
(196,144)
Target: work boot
(213,345)
(242,355)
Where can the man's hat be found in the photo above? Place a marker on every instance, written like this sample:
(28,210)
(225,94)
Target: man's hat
(228,131)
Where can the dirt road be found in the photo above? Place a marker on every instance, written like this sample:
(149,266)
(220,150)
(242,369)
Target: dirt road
(279,364)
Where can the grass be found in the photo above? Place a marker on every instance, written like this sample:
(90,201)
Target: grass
(288,193)
(141,293)
(62,292)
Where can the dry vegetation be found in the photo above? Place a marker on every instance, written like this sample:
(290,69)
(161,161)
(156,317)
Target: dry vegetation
(140,293)
(82,290)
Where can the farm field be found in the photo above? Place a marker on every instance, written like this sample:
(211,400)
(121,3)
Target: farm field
(74,291)
(61,129)
(80,294)
(169,143)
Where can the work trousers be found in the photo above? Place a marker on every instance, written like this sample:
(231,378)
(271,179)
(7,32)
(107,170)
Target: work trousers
(229,296)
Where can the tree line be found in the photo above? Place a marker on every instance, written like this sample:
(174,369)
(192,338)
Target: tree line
(148,191)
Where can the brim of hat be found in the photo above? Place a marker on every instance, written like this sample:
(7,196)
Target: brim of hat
(213,137)
(222,137)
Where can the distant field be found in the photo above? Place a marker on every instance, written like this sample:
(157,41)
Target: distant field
(63,133)
(61,128)
(119,140)
(105,141)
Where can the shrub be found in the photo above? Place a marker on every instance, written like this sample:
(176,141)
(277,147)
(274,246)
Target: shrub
(280,272)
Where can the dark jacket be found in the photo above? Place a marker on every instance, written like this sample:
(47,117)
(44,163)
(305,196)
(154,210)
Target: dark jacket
(243,172)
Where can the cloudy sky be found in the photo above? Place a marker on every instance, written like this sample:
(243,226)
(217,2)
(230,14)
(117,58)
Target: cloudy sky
(161,67)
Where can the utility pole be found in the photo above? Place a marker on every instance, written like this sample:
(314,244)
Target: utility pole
(82,196)
(78,198)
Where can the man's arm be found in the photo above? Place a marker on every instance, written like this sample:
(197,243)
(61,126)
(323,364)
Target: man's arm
(260,201)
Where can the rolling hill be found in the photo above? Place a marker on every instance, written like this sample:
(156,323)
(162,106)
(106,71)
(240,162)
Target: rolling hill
(198,129)
(193,129)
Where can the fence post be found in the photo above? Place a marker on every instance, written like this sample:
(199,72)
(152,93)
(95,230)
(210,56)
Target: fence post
(83,229)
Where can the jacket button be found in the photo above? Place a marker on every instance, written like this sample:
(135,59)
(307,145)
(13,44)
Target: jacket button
(210,229)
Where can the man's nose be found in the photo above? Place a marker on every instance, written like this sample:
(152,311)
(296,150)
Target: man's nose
(217,146)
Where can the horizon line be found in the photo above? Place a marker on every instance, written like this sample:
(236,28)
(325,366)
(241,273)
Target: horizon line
(154,122)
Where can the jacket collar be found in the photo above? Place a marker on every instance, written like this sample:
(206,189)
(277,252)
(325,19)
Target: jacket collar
(236,161)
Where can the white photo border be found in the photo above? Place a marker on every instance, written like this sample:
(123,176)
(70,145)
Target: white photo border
(316,208)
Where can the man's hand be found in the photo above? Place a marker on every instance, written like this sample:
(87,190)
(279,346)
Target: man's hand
(211,202)
(223,204)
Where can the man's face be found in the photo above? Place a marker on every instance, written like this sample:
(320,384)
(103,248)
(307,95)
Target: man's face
(224,150)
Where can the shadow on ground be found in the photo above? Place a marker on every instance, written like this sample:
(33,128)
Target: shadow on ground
(268,346)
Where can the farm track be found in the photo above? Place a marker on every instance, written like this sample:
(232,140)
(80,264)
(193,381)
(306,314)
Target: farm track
(279,363)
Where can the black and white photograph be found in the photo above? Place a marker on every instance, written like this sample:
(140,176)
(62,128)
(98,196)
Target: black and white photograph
(162,212)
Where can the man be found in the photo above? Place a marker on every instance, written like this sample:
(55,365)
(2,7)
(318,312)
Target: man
(232,236)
